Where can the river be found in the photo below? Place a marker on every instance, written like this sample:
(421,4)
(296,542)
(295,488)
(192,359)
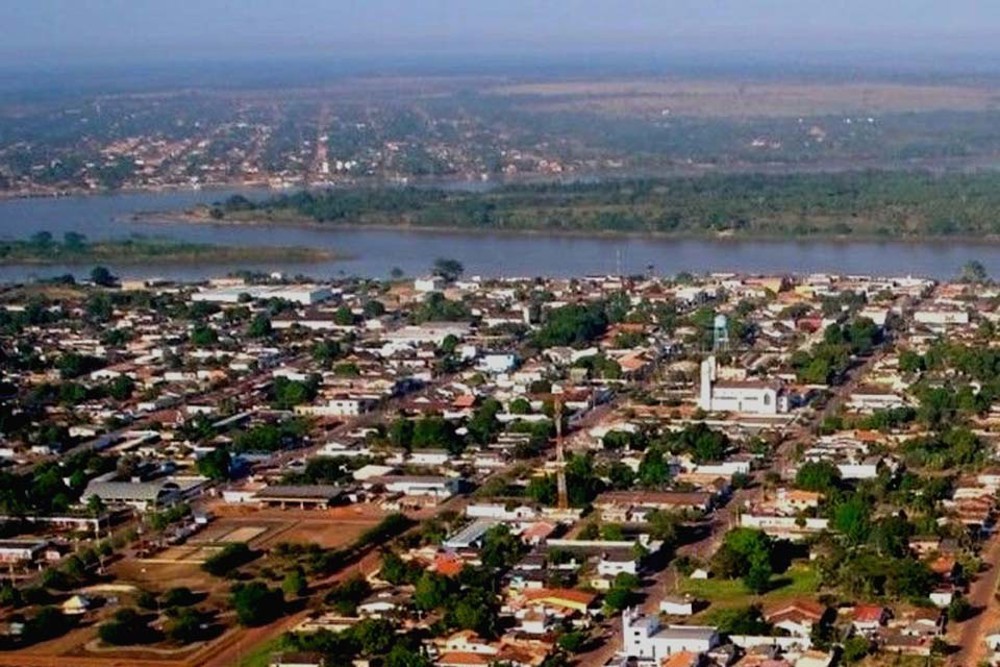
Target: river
(373,253)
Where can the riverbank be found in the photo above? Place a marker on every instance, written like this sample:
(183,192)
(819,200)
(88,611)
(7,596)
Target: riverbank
(855,206)
(153,253)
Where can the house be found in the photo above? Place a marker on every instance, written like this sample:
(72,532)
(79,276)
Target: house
(429,284)
(815,659)
(646,639)
(382,604)
(895,642)
(942,596)
(797,617)
(633,506)
(682,659)
(616,561)
(15,551)
(466,641)
(792,501)
(677,606)
(868,618)
(569,599)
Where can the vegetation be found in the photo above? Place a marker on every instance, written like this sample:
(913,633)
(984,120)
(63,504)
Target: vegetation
(41,248)
(874,203)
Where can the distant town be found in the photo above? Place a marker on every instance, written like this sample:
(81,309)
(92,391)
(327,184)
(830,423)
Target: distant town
(473,129)
(619,471)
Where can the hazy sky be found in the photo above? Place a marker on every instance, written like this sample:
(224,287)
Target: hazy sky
(80,30)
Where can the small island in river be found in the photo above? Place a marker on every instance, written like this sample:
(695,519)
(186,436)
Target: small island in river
(42,248)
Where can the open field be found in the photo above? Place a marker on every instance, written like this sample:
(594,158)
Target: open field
(733,98)
(799,580)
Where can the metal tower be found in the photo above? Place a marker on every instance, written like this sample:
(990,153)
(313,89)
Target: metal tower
(561,491)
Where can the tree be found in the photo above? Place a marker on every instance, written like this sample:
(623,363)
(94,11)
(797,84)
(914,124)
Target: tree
(343,316)
(10,596)
(400,433)
(851,518)
(403,656)
(376,636)
(449,269)
(74,241)
(121,388)
(260,326)
(295,584)
(821,476)
(49,622)
(654,470)
(102,277)
(573,642)
(855,649)
(501,548)
(474,609)
(185,626)
(741,621)
(431,591)
(520,406)
(255,604)
(179,596)
(125,628)
(974,272)
(216,464)
(231,557)
(346,596)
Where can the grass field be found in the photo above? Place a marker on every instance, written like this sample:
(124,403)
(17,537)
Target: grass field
(799,580)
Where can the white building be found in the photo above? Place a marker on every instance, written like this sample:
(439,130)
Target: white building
(645,638)
(941,317)
(307,295)
(750,397)
(497,362)
(429,284)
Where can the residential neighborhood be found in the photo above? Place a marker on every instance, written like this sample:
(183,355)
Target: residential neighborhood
(626,471)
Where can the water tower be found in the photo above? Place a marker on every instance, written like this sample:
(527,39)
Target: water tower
(720,334)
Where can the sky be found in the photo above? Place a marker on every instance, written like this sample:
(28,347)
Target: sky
(75,31)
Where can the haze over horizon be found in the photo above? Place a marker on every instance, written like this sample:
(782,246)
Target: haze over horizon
(64,32)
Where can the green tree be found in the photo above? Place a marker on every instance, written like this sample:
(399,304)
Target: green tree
(215,464)
(449,269)
(295,584)
(821,476)
(255,604)
(102,277)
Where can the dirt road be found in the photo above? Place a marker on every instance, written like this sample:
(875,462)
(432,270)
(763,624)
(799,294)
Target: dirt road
(970,634)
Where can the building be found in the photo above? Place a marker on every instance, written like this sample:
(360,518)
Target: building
(21,551)
(319,496)
(306,295)
(677,606)
(743,396)
(419,485)
(649,641)
(140,495)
